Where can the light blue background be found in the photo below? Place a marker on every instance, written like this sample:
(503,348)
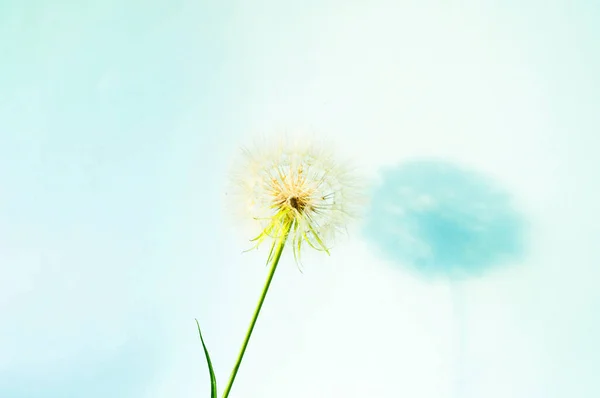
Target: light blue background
(118,122)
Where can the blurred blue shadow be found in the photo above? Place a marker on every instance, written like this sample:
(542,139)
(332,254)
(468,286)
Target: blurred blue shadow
(442,220)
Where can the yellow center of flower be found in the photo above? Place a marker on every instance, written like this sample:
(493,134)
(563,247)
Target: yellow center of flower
(291,193)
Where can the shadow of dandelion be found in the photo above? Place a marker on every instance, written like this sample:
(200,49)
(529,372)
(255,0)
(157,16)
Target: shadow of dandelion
(443,220)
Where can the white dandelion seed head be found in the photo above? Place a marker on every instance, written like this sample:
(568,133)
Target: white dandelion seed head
(299,182)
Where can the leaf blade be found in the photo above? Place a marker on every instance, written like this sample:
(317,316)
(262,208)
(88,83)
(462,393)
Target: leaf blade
(213,380)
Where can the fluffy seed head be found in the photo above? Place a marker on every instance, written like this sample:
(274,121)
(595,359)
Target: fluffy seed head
(297,187)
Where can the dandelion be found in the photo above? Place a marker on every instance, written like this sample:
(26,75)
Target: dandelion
(294,192)
(297,192)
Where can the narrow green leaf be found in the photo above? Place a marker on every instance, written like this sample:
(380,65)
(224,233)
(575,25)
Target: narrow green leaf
(213,380)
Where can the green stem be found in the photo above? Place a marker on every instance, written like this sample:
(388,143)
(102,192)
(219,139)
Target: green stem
(274,262)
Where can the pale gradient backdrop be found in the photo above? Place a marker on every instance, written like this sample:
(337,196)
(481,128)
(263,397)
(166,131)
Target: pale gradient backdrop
(118,122)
